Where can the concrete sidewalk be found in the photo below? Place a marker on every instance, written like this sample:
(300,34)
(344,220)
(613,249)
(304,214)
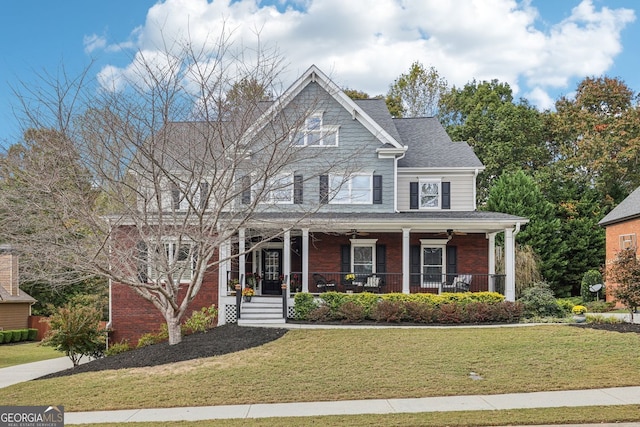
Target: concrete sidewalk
(553,399)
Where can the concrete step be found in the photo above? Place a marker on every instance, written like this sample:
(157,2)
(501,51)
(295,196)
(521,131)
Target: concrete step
(261,310)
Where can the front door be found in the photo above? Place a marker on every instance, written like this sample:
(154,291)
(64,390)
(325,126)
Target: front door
(272,264)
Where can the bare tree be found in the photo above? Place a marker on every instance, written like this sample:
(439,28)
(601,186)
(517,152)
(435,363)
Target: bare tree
(186,149)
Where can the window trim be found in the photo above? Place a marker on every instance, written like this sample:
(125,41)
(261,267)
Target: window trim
(628,241)
(364,243)
(438,244)
(423,181)
(322,130)
(348,181)
(167,243)
(269,194)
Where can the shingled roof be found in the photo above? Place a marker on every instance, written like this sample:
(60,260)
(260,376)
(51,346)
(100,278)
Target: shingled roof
(629,208)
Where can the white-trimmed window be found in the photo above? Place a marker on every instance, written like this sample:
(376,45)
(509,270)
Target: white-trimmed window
(628,241)
(434,263)
(356,189)
(171,258)
(363,257)
(430,195)
(315,133)
(196,195)
(279,189)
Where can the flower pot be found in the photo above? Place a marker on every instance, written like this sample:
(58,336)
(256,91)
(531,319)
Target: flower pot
(579,318)
(247,298)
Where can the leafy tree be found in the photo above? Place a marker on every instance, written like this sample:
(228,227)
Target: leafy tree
(624,272)
(517,194)
(416,93)
(356,94)
(506,136)
(75,330)
(595,137)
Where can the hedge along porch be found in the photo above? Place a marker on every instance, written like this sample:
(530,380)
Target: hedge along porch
(420,255)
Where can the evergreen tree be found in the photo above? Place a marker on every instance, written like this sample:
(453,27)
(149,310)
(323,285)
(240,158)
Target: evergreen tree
(517,193)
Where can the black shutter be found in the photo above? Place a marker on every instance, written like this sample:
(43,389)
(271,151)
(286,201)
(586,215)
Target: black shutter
(204,195)
(446,195)
(452,263)
(324,189)
(377,189)
(142,262)
(246,190)
(381,259)
(413,195)
(297,189)
(414,265)
(175,196)
(345,259)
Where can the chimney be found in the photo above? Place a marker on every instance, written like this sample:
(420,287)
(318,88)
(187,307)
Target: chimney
(9,272)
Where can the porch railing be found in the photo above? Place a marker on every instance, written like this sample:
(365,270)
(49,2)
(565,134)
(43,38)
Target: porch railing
(323,281)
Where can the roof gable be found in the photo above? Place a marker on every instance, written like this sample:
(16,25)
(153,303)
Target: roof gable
(629,208)
(314,75)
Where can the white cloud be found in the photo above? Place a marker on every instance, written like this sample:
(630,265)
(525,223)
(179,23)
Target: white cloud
(93,42)
(540,98)
(366,44)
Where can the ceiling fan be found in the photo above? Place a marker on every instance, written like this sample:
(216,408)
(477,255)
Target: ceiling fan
(355,233)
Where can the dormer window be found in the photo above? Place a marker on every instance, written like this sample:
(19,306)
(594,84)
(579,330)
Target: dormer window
(315,133)
(430,195)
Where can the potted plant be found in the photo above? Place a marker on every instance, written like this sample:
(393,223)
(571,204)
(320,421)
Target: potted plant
(349,277)
(247,293)
(579,313)
(232,285)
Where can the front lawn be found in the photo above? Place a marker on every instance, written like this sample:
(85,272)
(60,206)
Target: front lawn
(310,365)
(25,352)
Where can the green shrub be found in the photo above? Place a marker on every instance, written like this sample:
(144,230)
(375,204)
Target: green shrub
(334,300)
(117,348)
(1,337)
(600,306)
(32,334)
(603,319)
(591,277)
(75,330)
(154,337)
(200,321)
(538,301)
(567,304)
(305,303)
(17,335)
(24,334)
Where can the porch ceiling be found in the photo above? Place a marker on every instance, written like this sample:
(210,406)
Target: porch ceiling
(424,221)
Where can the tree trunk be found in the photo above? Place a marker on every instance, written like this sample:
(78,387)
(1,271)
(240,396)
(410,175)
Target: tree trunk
(173,327)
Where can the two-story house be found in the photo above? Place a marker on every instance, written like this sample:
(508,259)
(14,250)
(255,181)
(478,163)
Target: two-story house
(376,204)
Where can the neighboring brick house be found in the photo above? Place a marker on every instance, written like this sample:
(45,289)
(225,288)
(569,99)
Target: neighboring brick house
(622,227)
(15,304)
(404,221)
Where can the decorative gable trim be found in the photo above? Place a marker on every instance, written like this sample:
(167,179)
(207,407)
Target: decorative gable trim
(314,75)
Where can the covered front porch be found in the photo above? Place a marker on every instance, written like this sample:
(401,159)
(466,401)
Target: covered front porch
(418,254)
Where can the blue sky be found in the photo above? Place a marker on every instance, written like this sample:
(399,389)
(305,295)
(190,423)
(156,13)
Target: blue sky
(542,48)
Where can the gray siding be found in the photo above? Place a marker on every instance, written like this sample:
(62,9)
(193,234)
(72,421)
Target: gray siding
(462,186)
(355,153)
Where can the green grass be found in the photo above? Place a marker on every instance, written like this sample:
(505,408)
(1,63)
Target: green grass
(343,364)
(19,353)
(574,415)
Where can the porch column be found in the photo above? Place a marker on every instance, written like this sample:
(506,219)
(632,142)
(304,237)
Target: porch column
(406,270)
(305,260)
(286,262)
(509,265)
(223,273)
(241,259)
(492,261)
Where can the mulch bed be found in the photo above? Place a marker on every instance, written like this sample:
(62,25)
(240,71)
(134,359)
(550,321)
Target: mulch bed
(215,342)
(227,339)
